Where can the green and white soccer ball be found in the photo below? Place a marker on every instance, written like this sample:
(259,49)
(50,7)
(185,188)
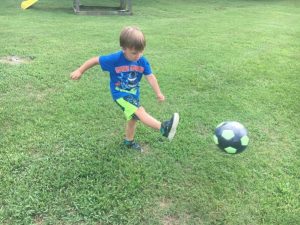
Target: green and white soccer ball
(231,137)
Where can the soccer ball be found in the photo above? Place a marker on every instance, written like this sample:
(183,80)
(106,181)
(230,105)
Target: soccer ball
(231,136)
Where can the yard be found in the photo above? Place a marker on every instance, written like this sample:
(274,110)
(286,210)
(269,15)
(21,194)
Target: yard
(61,154)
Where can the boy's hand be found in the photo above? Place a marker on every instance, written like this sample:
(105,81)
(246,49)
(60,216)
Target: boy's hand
(160,97)
(75,75)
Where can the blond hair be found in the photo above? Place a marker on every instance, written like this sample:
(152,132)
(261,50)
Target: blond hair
(132,37)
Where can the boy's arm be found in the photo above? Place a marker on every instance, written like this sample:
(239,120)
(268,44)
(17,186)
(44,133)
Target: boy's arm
(154,84)
(75,75)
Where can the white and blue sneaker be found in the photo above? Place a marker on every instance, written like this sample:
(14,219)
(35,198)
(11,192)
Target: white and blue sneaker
(168,128)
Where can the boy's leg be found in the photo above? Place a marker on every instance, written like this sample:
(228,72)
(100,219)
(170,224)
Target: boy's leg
(147,119)
(133,111)
(167,128)
(129,139)
(130,129)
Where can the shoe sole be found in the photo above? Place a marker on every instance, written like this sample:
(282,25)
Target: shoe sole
(174,126)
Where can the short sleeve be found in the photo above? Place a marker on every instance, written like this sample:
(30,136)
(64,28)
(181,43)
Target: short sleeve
(147,67)
(105,63)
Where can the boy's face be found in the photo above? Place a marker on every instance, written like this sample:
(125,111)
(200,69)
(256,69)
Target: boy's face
(132,55)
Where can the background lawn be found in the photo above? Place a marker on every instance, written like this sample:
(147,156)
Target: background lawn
(61,158)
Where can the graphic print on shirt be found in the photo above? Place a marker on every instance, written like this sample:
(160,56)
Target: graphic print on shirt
(128,80)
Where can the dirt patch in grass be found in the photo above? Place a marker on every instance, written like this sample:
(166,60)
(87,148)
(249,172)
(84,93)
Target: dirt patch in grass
(177,220)
(165,204)
(15,60)
(169,220)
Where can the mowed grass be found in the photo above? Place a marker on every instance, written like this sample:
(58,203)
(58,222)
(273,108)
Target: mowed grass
(61,154)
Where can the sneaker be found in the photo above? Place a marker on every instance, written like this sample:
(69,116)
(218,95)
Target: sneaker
(168,128)
(132,144)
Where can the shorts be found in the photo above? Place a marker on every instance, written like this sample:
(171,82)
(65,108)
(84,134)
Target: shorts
(129,104)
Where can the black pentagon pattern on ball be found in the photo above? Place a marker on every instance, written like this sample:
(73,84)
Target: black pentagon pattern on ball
(231,137)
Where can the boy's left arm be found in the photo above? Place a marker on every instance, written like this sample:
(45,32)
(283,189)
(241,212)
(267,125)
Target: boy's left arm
(154,84)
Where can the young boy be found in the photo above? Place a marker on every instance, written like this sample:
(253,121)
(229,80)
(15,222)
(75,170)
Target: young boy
(126,68)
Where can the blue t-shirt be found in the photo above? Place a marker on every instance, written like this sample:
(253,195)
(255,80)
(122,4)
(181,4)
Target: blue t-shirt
(125,75)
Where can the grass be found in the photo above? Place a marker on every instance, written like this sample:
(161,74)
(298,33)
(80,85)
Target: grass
(60,141)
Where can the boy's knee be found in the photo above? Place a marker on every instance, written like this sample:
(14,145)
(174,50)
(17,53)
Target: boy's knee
(141,109)
(140,112)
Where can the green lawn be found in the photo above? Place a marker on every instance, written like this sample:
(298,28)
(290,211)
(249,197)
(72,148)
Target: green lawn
(61,158)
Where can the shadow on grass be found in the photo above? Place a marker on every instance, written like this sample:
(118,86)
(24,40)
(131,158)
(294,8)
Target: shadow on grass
(67,10)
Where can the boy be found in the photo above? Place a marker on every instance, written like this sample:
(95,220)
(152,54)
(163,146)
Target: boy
(126,68)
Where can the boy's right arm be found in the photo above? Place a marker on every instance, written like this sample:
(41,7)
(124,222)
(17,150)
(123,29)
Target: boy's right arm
(75,75)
